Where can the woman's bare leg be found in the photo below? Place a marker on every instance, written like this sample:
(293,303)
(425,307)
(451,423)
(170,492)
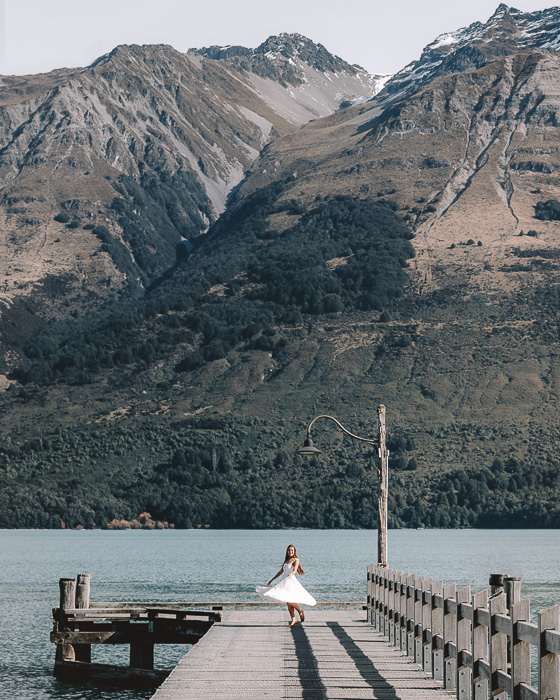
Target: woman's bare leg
(292,612)
(300,612)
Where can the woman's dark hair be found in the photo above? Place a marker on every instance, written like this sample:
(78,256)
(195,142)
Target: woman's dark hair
(288,557)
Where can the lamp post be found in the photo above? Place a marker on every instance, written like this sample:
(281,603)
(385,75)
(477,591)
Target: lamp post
(309,449)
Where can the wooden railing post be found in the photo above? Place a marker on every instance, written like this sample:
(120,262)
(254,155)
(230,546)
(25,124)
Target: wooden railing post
(464,671)
(427,625)
(380,594)
(437,632)
(369,593)
(512,587)
(449,636)
(520,651)
(392,604)
(549,663)
(410,595)
(374,597)
(498,646)
(404,588)
(418,620)
(395,640)
(383,601)
(480,645)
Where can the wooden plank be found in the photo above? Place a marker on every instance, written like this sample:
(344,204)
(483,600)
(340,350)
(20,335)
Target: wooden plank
(186,633)
(334,655)
(552,642)
(217,605)
(136,614)
(527,632)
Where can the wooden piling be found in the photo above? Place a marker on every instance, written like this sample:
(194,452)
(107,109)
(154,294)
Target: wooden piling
(67,593)
(83,584)
(82,652)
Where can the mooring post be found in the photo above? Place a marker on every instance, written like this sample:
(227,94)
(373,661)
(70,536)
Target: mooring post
(83,584)
(83,581)
(64,651)
(67,593)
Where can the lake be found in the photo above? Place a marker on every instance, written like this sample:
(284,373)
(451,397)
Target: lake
(225,565)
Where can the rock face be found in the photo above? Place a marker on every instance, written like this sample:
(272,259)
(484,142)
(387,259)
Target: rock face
(465,140)
(143,522)
(104,171)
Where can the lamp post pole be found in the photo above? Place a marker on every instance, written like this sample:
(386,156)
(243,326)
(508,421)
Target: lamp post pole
(309,449)
(383,478)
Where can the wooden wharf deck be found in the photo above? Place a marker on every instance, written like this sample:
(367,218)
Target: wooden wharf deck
(334,654)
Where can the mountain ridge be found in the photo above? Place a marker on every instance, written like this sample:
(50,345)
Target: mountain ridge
(147,113)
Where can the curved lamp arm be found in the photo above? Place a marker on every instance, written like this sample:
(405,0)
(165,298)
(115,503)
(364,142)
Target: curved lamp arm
(356,437)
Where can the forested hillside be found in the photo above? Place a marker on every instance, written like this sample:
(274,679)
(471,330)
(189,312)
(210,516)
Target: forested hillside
(402,250)
(188,404)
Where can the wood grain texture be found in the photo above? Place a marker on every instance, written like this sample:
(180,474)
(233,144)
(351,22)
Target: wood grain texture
(333,654)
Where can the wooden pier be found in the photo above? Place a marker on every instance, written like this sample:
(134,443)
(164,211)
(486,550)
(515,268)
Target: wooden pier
(415,639)
(334,654)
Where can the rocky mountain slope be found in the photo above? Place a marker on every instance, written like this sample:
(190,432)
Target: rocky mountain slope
(143,129)
(400,251)
(467,151)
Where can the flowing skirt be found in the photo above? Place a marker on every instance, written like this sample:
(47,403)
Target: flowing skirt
(287,590)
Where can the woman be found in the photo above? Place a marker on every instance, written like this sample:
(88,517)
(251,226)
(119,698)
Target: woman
(288,589)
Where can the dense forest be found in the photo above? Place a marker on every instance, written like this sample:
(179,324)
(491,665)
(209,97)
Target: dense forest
(85,478)
(265,278)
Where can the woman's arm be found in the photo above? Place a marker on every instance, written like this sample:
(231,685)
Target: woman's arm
(275,576)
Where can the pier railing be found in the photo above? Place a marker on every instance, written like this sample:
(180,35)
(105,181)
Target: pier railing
(475,644)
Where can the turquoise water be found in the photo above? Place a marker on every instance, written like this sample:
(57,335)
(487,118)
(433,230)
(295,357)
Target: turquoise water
(226,565)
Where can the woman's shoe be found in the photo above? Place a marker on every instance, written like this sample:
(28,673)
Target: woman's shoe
(292,623)
(301,616)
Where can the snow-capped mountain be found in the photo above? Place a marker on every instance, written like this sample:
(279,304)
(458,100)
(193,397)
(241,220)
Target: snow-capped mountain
(507,31)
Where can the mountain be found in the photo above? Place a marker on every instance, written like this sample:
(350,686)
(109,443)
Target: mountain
(107,172)
(402,250)
(508,31)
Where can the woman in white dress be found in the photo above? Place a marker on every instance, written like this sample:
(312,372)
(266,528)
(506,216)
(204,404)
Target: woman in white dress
(288,589)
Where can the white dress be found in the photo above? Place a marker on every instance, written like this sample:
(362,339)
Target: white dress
(287,590)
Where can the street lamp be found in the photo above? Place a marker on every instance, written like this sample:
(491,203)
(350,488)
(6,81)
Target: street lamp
(309,449)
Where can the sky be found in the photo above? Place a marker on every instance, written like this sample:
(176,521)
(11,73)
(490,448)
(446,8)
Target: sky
(382,36)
